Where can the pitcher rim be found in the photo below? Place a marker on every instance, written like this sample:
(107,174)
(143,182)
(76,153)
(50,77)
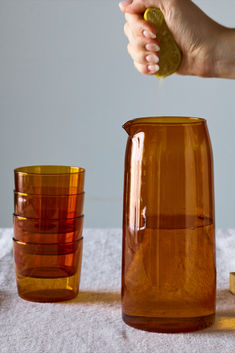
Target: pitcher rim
(169,120)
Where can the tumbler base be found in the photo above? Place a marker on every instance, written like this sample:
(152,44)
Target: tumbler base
(169,325)
(47,289)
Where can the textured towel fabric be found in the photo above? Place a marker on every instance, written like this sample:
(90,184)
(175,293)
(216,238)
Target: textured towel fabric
(91,323)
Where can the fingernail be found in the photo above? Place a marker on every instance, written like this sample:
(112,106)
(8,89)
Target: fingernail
(125,3)
(152,47)
(151,58)
(149,34)
(153,68)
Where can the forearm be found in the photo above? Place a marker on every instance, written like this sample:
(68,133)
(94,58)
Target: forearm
(224,60)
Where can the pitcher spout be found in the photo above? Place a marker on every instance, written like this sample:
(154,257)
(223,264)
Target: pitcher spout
(132,127)
(127,126)
(136,125)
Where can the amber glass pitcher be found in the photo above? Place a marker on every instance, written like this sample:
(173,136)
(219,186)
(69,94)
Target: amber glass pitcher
(168,262)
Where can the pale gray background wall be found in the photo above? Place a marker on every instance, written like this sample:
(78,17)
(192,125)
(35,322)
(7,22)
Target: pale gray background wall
(67,85)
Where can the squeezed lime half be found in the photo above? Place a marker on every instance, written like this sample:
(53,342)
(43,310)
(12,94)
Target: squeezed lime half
(169,55)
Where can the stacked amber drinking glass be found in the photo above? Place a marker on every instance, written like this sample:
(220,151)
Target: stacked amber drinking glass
(48,226)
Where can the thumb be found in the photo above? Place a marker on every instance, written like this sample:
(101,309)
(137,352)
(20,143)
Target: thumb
(137,6)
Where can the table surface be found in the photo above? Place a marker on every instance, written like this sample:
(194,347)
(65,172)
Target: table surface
(91,323)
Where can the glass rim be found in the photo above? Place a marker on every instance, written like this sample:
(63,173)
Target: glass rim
(32,170)
(20,242)
(166,120)
(45,220)
(19,193)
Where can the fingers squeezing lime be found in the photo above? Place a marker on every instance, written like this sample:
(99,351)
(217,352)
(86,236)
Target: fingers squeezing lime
(170,55)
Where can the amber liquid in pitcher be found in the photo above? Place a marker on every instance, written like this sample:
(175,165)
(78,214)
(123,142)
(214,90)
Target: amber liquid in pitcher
(163,277)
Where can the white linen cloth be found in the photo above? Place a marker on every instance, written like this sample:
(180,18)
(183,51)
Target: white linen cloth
(92,323)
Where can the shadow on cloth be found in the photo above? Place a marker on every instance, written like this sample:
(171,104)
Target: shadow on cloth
(225,315)
(5,296)
(91,297)
(224,320)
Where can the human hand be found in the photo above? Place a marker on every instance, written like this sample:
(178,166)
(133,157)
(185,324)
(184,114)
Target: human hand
(196,34)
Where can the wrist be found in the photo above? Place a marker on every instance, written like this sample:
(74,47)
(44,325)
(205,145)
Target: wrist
(224,58)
